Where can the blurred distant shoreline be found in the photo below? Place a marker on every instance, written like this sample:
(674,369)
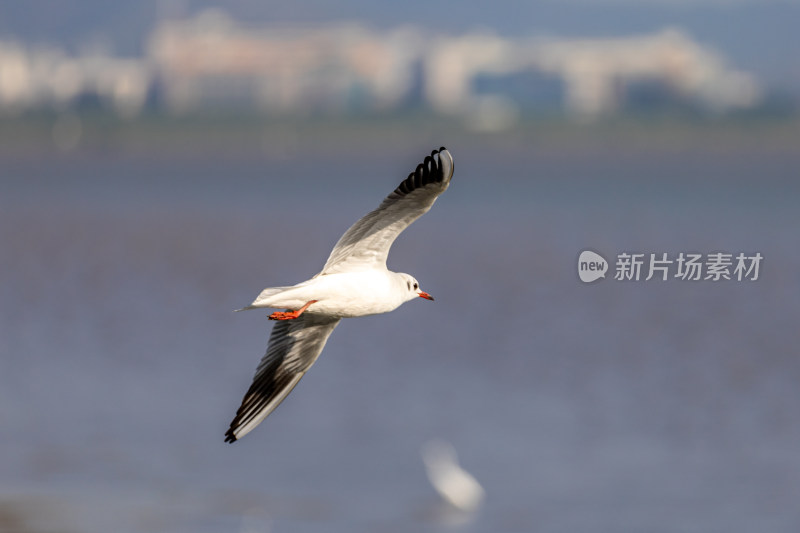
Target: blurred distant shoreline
(284,137)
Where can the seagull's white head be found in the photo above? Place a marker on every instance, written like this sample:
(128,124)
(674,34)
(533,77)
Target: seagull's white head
(412,285)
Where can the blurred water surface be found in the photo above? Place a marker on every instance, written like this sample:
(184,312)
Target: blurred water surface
(611,407)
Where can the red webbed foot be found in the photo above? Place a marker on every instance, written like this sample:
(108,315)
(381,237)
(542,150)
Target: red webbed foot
(290,315)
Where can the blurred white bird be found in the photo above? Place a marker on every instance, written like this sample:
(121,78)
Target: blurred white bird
(454,484)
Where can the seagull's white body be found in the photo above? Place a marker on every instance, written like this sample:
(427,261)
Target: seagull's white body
(342,295)
(354,282)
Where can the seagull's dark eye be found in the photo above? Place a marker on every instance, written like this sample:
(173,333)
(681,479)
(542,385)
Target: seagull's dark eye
(416,286)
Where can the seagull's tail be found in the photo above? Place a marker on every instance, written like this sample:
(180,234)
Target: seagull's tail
(264,299)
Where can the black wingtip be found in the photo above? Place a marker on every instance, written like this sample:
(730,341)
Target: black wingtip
(230,437)
(429,171)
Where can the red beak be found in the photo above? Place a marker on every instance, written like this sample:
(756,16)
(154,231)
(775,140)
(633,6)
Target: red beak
(423,294)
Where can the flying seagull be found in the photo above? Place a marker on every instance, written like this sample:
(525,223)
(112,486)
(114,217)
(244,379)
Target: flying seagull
(354,282)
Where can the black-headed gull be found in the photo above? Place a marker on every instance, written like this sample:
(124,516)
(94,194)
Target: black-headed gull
(354,282)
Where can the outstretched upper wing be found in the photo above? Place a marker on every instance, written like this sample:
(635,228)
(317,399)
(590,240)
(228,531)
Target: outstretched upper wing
(294,345)
(366,244)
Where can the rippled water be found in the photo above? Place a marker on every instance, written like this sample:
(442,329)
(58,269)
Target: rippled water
(611,407)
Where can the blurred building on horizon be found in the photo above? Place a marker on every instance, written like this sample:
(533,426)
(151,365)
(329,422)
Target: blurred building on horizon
(42,76)
(212,62)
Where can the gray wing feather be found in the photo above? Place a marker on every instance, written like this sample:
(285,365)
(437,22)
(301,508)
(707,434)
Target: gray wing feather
(294,346)
(366,244)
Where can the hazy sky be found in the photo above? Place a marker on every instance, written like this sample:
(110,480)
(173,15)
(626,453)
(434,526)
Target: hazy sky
(759,36)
